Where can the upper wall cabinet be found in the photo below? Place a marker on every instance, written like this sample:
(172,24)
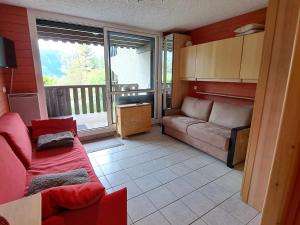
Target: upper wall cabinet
(188,63)
(219,60)
(252,55)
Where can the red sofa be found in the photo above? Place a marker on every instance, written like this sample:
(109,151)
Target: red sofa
(20,163)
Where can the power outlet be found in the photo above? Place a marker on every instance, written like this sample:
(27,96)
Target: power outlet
(195,88)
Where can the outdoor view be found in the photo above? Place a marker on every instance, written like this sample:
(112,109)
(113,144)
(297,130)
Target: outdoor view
(65,63)
(74,79)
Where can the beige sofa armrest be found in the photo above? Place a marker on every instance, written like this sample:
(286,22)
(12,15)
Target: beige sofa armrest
(238,145)
(171,112)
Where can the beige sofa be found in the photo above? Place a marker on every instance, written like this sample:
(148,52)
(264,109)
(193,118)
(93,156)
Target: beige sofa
(219,129)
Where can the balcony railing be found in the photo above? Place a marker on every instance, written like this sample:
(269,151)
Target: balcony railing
(79,99)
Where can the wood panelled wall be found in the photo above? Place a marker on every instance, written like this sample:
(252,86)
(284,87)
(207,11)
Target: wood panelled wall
(14,26)
(228,88)
(221,30)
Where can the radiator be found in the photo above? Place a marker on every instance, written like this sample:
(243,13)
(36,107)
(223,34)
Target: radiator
(26,104)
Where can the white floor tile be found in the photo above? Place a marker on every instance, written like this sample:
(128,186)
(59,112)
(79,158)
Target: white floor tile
(179,187)
(105,183)
(98,171)
(195,179)
(231,182)
(256,220)
(161,197)
(129,221)
(147,183)
(140,207)
(219,216)
(117,178)
(178,214)
(198,203)
(132,189)
(180,169)
(187,186)
(215,192)
(239,209)
(214,170)
(196,162)
(199,222)
(165,175)
(153,219)
(110,168)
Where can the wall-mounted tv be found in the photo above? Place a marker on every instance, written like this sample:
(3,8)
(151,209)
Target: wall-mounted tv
(7,53)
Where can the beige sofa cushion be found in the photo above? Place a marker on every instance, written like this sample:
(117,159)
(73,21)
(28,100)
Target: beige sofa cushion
(229,115)
(210,133)
(196,108)
(179,123)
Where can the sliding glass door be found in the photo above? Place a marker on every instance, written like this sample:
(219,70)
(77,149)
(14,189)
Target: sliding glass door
(132,70)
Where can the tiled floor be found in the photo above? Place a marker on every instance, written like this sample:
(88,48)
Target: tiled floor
(171,183)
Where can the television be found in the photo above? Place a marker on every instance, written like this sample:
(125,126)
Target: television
(7,53)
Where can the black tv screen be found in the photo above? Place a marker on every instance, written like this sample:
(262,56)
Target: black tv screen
(7,53)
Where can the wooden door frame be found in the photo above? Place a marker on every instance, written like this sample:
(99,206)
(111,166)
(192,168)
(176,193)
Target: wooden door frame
(281,203)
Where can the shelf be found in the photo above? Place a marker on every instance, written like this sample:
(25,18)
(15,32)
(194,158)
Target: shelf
(223,95)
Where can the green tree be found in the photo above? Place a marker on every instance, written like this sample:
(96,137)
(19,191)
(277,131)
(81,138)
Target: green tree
(84,67)
(50,80)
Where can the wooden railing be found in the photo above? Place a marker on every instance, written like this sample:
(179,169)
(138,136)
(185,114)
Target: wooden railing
(79,99)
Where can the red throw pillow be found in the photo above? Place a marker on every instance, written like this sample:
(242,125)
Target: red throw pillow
(53,126)
(70,197)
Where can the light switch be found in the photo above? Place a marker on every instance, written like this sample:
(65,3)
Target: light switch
(195,88)
(4,89)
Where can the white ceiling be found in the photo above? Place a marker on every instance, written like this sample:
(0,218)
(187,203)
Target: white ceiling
(157,15)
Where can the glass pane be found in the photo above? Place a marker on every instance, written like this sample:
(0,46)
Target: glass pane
(74,81)
(121,99)
(168,70)
(131,61)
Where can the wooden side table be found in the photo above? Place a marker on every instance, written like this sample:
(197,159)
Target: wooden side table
(133,119)
(25,211)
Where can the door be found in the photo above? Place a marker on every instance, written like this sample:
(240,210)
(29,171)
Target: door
(73,71)
(132,71)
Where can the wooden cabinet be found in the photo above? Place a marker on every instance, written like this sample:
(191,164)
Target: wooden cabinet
(234,59)
(133,119)
(219,59)
(188,63)
(252,55)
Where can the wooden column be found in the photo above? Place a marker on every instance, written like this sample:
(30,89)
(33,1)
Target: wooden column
(270,100)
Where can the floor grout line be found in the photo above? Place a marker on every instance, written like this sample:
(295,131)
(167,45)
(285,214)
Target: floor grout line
(180,149)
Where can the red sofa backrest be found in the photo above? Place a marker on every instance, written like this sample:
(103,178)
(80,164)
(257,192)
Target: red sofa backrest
(12,174)
(13,129)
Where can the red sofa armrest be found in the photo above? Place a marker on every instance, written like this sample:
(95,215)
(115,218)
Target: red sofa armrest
(111,209)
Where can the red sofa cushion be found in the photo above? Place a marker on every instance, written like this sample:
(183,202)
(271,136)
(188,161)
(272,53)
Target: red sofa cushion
(17,135)
(111,209)
(60,160)
(12,174)
(70,197)
(52,126)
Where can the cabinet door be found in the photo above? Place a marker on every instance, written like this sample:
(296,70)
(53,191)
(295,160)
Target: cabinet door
(188,63)
(252,55)
(219,59)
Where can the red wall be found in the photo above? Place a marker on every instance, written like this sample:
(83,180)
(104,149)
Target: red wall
(221,30)
(14,26)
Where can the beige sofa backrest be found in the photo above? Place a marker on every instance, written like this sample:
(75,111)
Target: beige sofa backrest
(196,108)
(229,115)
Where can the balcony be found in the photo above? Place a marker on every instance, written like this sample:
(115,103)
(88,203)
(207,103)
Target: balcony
(86,103)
